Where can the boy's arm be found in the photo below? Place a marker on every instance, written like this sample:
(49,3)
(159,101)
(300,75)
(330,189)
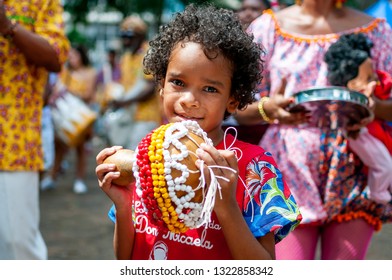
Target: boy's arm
(124,234)
(240,240)
(121,196)
(242,244)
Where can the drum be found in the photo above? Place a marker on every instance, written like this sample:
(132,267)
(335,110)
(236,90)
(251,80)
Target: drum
(170,186)
(72,118)
(332,107)
(177,197)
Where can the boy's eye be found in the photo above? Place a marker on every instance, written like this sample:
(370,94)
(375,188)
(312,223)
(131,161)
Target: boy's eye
(210,89)
(177,82)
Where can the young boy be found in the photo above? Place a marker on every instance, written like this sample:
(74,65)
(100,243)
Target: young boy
(207,68)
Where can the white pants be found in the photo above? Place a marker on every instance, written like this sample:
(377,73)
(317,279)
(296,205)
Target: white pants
(20,237)
(47,134)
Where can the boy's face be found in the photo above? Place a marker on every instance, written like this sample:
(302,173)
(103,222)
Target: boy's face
(198,88)
(366,75)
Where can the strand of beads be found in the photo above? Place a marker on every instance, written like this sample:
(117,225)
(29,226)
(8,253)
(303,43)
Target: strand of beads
(195,128)
(169,215)
(167,200)
(187,210)
(184,207)
(144,182)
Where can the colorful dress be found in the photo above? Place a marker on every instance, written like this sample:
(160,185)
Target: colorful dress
(21,91)
(326,178)
(266,203)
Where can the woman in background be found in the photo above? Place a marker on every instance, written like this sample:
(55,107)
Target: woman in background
(326,178)
(77,77)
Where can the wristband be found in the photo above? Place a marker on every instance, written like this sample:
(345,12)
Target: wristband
(261,110)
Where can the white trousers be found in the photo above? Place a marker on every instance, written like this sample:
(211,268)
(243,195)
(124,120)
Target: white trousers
(20,237)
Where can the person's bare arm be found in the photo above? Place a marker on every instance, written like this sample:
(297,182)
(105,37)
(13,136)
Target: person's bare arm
(124,234)
(275,107)
(250,115)
(35,48)
(142,90)
(383,109)
(242,244)
(91,88)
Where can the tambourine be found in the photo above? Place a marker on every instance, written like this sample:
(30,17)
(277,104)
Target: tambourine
(332,107)
(171,188)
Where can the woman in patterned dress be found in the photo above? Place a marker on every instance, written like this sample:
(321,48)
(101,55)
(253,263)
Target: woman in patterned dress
(328,181)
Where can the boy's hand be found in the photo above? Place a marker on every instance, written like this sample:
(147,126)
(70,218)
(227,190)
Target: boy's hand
(106,173)
(217,160)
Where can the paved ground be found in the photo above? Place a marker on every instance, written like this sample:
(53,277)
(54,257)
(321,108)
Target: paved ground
(76,227)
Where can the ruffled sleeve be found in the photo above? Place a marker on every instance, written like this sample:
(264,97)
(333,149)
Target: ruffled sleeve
(269,206)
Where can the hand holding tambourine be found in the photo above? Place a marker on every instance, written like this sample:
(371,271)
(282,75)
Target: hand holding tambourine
(278,106)
(333,107)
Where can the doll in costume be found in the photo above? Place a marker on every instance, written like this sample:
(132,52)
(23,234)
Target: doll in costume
(350,65)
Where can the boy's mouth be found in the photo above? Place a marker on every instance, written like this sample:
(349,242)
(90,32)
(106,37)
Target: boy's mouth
(186,117)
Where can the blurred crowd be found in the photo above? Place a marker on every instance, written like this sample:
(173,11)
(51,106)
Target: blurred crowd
(120,103)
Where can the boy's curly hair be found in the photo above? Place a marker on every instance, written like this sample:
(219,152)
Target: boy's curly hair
(344,57)
(217,30)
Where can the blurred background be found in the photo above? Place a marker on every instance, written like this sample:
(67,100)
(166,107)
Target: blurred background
(94,23)
(76,226)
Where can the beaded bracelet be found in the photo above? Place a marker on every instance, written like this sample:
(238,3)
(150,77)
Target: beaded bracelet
(261,110)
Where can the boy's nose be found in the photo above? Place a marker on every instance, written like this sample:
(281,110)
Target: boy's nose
(189,99)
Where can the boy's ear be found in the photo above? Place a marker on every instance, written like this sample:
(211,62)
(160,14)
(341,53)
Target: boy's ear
(160,87)
(232,105)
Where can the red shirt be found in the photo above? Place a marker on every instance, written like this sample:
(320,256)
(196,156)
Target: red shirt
(209,242)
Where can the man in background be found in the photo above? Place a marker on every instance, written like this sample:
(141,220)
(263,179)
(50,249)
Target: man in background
(32,43)
(138,108)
